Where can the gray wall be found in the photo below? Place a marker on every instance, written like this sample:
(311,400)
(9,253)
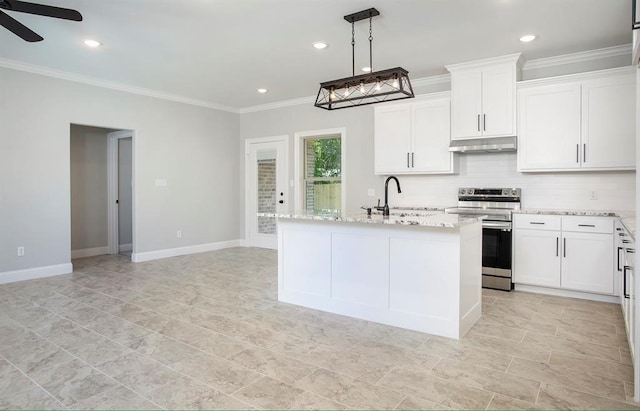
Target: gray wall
(125,190)
(194,148)
(89,214)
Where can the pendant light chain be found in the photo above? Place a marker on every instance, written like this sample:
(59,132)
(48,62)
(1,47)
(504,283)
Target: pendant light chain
(353,49)
(370,45)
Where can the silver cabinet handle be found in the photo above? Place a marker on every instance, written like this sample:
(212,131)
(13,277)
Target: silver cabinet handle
(584,153)
(536,222)
(413,164)
(564,247)
(484,122)
(626,241)
(557,245)
(577,153)
(408,160)
(478,122)
(586,225)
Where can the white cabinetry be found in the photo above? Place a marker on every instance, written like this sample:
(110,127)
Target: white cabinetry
(413,138)
(577,122)
(625,268)
(569,252)
(483,99)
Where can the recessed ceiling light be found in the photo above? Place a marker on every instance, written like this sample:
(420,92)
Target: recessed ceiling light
(527,38)
(366,69)
(92,43)
(262,90)
(319,45)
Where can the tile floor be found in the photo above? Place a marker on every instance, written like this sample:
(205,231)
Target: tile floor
(206,332)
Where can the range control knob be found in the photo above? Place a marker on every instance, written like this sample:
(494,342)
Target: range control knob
(514,192)
(462,191)
(505,192)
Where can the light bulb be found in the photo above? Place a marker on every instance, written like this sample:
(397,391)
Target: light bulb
(395,82)
(347,91)
(378,86)
(362,87)
(332,95)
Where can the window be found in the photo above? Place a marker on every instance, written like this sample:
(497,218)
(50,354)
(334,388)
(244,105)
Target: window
(323,174)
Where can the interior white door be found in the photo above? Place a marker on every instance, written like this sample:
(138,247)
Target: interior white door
(267,165)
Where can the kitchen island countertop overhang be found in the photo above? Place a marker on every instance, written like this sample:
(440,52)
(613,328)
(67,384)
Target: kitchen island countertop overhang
(416,272)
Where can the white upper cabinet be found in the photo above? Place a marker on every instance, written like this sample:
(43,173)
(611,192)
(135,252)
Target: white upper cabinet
(413,138)
(608,122)
(577,122)
(549,127)
(483,99)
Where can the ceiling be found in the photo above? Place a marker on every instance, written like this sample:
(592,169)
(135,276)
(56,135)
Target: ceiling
(221,51)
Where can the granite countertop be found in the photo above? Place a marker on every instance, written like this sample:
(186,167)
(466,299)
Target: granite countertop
(626,217)
(432,220)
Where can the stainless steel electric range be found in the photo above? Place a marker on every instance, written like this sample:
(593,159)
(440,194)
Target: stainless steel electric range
(498,205)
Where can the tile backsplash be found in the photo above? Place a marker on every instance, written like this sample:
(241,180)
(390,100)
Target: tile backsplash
(615,190)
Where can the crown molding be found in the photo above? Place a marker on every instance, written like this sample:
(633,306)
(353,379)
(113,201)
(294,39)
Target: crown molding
(607,52)
(580,57)
(63,75)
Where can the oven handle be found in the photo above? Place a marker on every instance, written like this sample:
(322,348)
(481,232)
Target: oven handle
(497,225)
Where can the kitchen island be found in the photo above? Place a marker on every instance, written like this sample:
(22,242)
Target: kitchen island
(417,272)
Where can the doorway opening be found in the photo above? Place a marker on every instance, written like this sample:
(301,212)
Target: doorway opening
(101,191)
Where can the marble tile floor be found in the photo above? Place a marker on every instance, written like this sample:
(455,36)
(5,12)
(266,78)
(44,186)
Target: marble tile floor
(206,332)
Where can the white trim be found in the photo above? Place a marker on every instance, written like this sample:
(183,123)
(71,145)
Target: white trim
(567,293)
(579,57)
(587,75)
(473,65)
(297,159)
(125,247)
(193,249)
(112,189)
(423,81)
(89,252)
(44,71)
(37,272)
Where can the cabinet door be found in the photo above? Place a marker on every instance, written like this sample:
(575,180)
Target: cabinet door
(587,262)
(466,104)
(431,137)
(537,257)
(549,127)
(498,102)
(392,138)
(608,123)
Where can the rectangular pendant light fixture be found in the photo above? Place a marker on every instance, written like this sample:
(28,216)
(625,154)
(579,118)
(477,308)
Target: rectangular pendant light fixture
(370,88)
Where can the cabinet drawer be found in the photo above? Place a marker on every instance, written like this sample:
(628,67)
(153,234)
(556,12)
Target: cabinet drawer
(587,224)
(537,221)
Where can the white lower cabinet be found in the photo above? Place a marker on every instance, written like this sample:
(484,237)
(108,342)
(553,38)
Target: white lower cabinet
(568,252)
(537,260)
(625,268)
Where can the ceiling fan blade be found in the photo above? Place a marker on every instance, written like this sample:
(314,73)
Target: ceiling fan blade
(42,10)
(18,28)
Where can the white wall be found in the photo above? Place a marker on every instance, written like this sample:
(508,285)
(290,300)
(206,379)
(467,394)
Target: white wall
(194,148)
(89,214)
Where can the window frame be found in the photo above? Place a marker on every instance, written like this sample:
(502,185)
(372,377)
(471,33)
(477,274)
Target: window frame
(300,164)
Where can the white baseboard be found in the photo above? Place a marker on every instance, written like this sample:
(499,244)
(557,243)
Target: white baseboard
(568,293)
(37,272)
(125,247)
(194,249)
(89,252)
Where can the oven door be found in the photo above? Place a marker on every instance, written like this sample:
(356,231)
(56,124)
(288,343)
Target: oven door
(496,250)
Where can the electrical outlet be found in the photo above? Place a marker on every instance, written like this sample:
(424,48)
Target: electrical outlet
(593,195)
(371,192)
(179,234)
(20,251)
